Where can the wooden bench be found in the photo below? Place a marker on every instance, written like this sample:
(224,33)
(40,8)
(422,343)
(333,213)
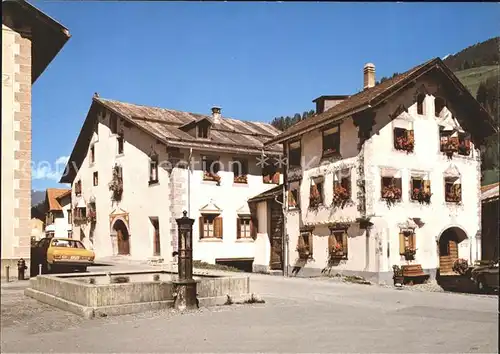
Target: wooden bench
(413,273)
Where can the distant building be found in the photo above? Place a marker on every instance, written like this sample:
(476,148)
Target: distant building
(131,179)
(37,229)
(30,40)
(58,220)
(388,176)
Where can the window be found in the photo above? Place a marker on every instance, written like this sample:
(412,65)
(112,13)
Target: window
(270,174)
(337,244)
(78,188)
(70,217)
(121,142)
(240,170)
(316,192)
(294,154)
(449,141)
(420,189)
(452,190)
(391,188)
(57,242)
(210,226)
(156,236)
(331,141)
(153,169)
(463,144)
(404,139)
(244,227)
(407,244)
(113,123)
(210,167)
(92,154)
(202,130)
(96,179)
(293,195)
(420,103)
(80,214)
(305,244)
(341,187)
(70,234)
(439,104)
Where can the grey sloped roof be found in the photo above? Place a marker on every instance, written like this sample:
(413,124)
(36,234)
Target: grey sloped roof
(226,135)
(166,123)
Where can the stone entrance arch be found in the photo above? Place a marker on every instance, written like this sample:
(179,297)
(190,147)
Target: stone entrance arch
(120,234)
(448,242)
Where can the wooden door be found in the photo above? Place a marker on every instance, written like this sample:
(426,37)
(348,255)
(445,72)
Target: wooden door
(276,236)
(448,254)
(123,242)
(157,250)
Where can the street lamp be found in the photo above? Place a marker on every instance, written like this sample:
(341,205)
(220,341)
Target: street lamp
(185,285)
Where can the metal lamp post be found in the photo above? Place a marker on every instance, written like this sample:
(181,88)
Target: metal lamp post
(185,285)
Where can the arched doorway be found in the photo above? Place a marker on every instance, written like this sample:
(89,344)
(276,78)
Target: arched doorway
(448,248)
(122,237)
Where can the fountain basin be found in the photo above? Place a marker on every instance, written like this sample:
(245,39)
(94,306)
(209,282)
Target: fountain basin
(130,291)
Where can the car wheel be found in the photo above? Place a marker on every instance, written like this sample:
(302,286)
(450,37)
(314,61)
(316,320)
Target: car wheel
(50,268)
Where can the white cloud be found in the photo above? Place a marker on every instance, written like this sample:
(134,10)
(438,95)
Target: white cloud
(46,170)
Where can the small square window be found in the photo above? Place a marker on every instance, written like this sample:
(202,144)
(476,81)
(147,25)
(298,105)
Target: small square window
(95,178)
(404,139)
(391,188)
(453,190)
(92,154)
(331,141)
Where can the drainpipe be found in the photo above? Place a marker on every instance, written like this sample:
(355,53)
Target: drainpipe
(189,181)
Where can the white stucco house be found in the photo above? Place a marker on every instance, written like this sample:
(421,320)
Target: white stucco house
(30,41)
(388,176)
(136,168)
(58,219)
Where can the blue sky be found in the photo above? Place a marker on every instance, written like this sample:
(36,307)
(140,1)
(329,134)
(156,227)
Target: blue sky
(255,60)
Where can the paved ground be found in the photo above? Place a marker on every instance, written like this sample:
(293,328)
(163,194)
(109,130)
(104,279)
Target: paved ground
(300,315)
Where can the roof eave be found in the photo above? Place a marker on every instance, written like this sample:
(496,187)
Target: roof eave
(48,36)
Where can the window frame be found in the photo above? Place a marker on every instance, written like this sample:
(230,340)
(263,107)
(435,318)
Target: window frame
(338,236)
(244,228)
(318,181)
(295,153)
(208,175)
(92,154)
(95,178)
(305,248)
(153,169)
(403,133)
(120,140)
(240,176)
(338,181)
(455,183)
(398,184)
(333,138)
(293,191)
(217,227)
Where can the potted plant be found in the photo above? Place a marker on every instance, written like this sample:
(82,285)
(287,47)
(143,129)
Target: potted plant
(292,203)
(337,251)
(421,195)
(410,253)
(453,197)
(397,275)
(315,198)
(303,251)
(450,146)
(240,179)
(405,143)
(464,147)
(209,176)
(330,151)
(340,196)
(460,266)
(391,194)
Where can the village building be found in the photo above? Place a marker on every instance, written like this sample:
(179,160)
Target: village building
(37,230)
(134,169)
(30,40)
(490,230)
(387,177)
(58,219)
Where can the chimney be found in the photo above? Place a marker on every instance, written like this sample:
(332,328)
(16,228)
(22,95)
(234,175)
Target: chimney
(216,114)
(369,76)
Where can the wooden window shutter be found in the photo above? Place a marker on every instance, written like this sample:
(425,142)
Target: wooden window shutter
(458,189)
(200,226)
(218,227)
(331,243)
(410,134)
(344,244)
(427,186)
(276,178)
(253,229)
(238,227)
(413,239)
(401,243)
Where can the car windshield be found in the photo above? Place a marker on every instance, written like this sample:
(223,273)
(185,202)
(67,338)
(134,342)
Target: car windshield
(67,244)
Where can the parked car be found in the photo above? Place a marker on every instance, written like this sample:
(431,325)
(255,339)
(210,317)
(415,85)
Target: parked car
(56,254)
(486,276)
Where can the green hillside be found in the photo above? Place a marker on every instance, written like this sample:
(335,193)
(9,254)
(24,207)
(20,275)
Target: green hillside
(471,78)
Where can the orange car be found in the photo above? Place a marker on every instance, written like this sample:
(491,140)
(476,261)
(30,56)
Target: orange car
(60,253)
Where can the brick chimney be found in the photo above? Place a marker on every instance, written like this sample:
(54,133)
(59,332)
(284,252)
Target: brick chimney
(368,76)
(216,114)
